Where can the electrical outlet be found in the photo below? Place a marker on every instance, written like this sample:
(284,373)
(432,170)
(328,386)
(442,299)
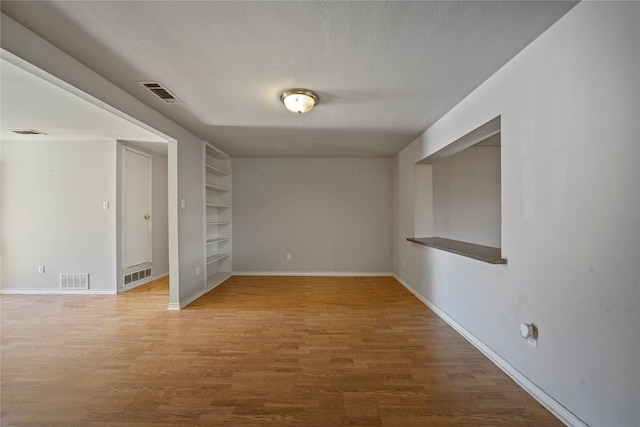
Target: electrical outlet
(41,269)
(404,263)
(105,205)
(197,271)
(288,257)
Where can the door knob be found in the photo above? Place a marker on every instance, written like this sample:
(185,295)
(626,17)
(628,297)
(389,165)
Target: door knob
(147,216)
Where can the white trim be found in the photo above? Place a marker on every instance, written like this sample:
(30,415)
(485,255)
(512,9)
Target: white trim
(183,304)
(27,291)
(173,307)
(204,266)
(555,407)
(208,288)
(310,273)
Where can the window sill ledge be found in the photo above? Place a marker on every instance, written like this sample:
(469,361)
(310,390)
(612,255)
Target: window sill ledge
(471,250)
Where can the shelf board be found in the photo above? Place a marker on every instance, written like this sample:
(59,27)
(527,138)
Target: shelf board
(215,152)
(470,250)
(216,257)
(216,171)
(214,188)
(217,240)
(215,205)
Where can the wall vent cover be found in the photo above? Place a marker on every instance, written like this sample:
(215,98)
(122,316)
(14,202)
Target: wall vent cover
(161,92)
(137,275)
(28,132)
(74,280)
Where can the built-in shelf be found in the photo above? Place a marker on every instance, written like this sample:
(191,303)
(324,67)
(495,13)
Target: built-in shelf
(216,171)
(216,191)
(217,240)
(214,188)
(471,250)
(216,257)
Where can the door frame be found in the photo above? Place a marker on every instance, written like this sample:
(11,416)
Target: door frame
(122,173)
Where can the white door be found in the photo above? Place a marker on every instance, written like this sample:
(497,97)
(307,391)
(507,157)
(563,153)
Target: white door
(137,207)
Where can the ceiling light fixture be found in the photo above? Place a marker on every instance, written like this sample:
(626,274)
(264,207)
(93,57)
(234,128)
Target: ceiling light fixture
(299,100)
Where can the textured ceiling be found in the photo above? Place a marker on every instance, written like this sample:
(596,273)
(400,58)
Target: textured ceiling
(384,71)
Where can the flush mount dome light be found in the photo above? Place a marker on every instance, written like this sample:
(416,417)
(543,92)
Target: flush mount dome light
(299,100)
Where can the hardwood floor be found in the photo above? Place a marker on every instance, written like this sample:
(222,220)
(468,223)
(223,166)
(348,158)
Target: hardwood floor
(256,351)
(158,287)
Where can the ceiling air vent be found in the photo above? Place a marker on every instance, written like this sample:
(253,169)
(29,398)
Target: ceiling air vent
(28,132)
(161,92)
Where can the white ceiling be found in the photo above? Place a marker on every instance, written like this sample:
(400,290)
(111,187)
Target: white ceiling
(384,71)
(31,102)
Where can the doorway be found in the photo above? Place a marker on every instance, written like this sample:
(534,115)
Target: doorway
(137,206)
(143,214)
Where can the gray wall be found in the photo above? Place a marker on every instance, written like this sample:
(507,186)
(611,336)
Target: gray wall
(466,196)
(332,214)
(160,215)
(569,106)
(52,214)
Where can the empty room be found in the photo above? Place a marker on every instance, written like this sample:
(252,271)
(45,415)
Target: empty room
(283,213)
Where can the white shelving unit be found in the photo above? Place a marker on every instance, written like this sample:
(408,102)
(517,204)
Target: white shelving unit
(217,214)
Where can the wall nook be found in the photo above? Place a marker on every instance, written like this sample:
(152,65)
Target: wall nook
(458,196)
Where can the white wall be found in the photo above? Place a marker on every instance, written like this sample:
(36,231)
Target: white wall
(466,196)
(160,236)
(332,214)
(570,108)
(52,214)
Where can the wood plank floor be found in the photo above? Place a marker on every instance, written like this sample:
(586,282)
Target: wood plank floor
(256,351)
(158,287)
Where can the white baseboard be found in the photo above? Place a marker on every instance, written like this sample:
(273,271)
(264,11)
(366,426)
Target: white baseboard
(555,407)
(183,304)
(53,291)
(57,291)
(174,306)
(310,273)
